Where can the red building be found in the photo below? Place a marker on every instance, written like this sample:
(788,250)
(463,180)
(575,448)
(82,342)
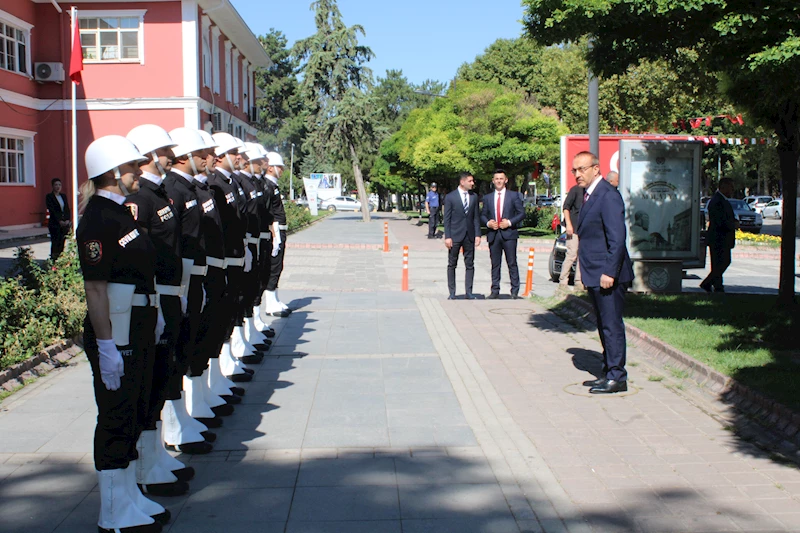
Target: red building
(167,62)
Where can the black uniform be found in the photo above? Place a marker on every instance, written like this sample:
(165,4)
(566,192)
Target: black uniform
(253,214)
(114,248)
(279,216)
(182,191)
(265,224)
(152,209)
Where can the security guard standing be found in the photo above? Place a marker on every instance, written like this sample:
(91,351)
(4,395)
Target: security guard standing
(432,208)
(265,243)
(118,263)
(159,473)
(273,305)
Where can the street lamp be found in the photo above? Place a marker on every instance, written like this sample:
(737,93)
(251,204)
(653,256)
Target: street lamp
(291,175)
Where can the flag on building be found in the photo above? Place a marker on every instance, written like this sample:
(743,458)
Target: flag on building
(76,58)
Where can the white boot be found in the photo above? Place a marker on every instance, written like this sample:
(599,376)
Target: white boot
(272,306)
(179,427)
(252,334)
(217,382)
(149,507)
(163,456)
(227,363)
(278,299)
(259,324)
(211,399)
(195,402)
(117,508)
(148,470)
(239,346)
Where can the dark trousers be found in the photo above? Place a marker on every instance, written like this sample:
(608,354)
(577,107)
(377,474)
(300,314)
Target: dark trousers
(189,328)
(276,264)
(720,261)
(237,280)
(469,261)
(609,305)
(213,321)
(165,365)
(497,248)
(57,237)
(252,289)
(433,220)
(120,412)
(264,266)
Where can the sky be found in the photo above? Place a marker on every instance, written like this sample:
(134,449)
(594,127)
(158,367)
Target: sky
(426,39)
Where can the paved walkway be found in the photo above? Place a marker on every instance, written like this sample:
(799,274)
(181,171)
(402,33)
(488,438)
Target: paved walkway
(381,411)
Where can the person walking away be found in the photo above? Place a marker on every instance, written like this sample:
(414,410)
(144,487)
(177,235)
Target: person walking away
(59,223)
(462,231)
(503,213)
(571,211)
(721,235)
(432,208)
(606,268)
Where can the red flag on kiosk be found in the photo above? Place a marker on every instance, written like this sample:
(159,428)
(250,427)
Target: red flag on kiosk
(76,58)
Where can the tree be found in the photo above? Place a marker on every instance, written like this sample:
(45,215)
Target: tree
(340,117)
(752,46)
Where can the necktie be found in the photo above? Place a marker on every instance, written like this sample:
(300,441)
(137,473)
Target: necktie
(585,197)
(497,209)
(466,202)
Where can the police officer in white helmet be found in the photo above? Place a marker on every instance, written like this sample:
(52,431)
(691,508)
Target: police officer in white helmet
(273,305)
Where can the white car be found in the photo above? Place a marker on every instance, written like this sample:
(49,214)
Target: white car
(343,203)
(774,209)
(757,203)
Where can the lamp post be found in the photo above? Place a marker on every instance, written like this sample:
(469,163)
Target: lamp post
(291,175)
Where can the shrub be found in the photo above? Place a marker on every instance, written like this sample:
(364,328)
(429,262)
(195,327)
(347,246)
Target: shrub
(757,238)
(539,217)
(296,216)
(39,306)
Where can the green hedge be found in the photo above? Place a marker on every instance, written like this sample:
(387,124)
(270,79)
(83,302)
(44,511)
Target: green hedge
(296,216)
(39,305)
(540,217)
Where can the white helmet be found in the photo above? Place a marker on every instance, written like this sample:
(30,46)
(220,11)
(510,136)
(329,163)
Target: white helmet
(149,138)
(187,140)
(210,142)
(225,143)
(108,153)
(240,144)
(263,151)
(253,151)
(274,159)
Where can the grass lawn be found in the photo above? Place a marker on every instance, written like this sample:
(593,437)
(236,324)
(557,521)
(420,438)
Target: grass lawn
(747,337)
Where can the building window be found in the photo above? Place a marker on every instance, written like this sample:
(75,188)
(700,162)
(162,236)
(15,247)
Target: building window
(228,72)
(215,33)
(14,49)
(16,157)
(207,65)
(235,62)
(112,37)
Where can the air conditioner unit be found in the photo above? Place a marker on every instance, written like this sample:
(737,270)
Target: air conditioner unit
(48,71)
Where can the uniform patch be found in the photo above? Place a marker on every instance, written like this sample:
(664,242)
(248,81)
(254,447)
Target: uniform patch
(190,204)
(128,238)
(165,213)
(208,206)
(276,191)
(241,191)
(93,250)
(134,209)
(230,198)
(252,195)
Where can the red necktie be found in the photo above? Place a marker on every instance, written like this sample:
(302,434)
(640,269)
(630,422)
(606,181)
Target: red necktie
(585,197)
(497,211)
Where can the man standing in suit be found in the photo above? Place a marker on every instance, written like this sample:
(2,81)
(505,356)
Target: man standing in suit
(502,213)
(59,223)
(606,269)
(461,230)
(721,235)
(432,207)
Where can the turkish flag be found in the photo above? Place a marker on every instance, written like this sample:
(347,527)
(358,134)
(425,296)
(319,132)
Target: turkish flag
(76,58)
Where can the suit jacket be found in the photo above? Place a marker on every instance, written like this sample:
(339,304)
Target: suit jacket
(56,213)
(512,210)
(601,236)
(458,225)
(721,222)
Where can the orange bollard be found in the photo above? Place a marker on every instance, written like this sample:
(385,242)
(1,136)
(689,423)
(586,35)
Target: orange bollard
(529,279)
(405,269)
(385,236)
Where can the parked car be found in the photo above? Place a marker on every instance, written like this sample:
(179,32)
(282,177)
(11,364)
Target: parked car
(557,256)
(758,202)
(344,203)
(303,202)
(774,209)
(748,219)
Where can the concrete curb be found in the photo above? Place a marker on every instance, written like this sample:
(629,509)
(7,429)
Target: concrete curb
(767,411)
(52,357)
(6,241)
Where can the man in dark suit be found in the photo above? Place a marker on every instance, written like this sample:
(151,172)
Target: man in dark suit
(721,235)
(503,213)
(59,224)
(461,230)
(606,269)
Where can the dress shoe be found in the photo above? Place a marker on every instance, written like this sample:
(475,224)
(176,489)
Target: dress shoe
(225,409)
(451,297)
(247,371)
(232,399)
(212,423)
(719,289)
(239,378)
(279,314)
(594,382)
(515,296)
(493,296)
(192,448)
(169,490)
(269,333)
(263,346)
(470,297)
(251,359)
(184,474)
(238,391)
(706,287)
(209,436)
(609,387)
(431,237)
(163,518)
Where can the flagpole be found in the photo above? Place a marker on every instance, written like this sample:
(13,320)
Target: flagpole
(74,18)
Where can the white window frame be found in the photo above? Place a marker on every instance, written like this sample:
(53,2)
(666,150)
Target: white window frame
(28,158)
(24,27)
(206,51)
(117,13)
(215,69)
(235,68)
(246,86)
(228,72)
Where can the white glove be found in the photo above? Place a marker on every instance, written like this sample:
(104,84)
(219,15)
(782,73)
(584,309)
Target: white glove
(184,304)
(276,247)
(112,367)
(277,231)
(161,324)
(248,259)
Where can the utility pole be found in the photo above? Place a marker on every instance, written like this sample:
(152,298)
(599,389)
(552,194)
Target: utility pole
(291,175)
(594,113)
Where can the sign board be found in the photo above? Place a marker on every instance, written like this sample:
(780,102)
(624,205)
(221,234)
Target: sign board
(310,186)
(660,185)
(328,185)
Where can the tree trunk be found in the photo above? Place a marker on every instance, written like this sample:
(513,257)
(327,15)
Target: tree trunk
(788,157)
(362,191)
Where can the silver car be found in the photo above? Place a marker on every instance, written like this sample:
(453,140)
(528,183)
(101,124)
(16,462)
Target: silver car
(748,219)
(343,203)
(774,209)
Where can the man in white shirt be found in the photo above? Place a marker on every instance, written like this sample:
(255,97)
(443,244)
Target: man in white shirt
(503,213)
